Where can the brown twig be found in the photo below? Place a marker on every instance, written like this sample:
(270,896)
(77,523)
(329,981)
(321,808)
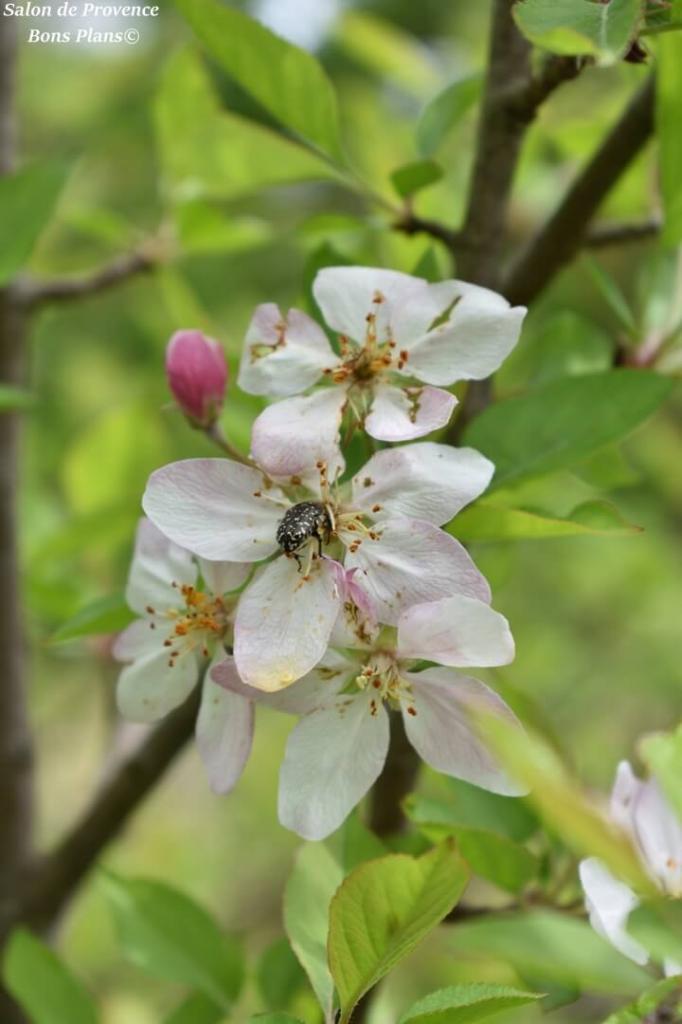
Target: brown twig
(57,876)
(38,293)
(603,235)
(564,233)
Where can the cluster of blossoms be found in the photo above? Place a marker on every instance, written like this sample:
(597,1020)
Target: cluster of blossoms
(284,582)
(644,814)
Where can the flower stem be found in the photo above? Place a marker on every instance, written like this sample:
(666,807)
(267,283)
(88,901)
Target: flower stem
(216,434)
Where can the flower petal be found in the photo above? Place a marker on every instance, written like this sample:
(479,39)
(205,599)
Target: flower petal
(443,733)
(479,334)
(157,563)
(137,640)
(623,795)
(222,577)
(399,414)
(290,437)
(404,306)
(314,689)
(425,481)
(414,562)
(299,352)
(210,506)
(333,756)
(609,903)
(658,833)
(283,623)
(149,688)
(457,631)
(224,733)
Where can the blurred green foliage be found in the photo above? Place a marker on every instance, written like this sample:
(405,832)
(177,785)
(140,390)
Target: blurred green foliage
(158,142)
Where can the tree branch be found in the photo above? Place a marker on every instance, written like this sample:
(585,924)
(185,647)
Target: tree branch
(57,876)
(38,293)
(603,235)
(563,234)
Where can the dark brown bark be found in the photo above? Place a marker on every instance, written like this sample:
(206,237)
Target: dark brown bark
(395,782)
(562,235)
(38,293)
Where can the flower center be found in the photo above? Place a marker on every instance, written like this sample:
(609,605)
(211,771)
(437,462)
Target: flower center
(382,673)
(201,620)
(362,362)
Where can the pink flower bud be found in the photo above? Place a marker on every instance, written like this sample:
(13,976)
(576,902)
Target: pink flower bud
(197,375)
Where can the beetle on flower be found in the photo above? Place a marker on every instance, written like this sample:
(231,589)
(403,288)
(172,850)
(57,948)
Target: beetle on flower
(401,340)
(384,523)
(338,748)
(181,629)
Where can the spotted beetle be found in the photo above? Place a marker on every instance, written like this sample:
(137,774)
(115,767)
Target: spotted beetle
(300,523)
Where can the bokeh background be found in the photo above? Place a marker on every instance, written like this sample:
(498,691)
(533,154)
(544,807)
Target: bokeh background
(596,620)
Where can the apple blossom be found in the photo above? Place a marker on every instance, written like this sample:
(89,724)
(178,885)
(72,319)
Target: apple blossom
(338,748)
(401,341)
(384,523)
(169,648)
(197,375)
(642,810)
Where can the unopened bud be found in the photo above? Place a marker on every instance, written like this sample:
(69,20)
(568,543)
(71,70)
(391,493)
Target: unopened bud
(197,375)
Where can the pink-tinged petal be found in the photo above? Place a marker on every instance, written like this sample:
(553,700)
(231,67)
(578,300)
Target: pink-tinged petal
(138,640)
(414,562)
(222,577)
(157,564)
(224,734)
(333,756)
(216,508)
(424,481)
(283,356)
(197,375)
(149,688)
(477,337)
(658,833)
(357,625)
(290,437)
(609,903)
(316,688)
(444,733)
(400,414)
(283,623)
(404,306)
(458,631)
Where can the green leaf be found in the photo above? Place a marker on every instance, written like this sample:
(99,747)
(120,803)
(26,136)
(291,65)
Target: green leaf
(315,878)
(207,152)
(464,1004)
(657,924)
(204,229)
(15,399)
(45,989)
(668,91)
(444,111)
(564,422)
(663,753)
(274,1018)
(169,935)
(358,843)
(413,177)
(383,910)
(562,950)
(105,615)
(612,295)
(664,993)
(471,807)
(27,200)
(496,858)
(561,803)
(580,27)
(279,975)
(486,521)
(196,1009)
(383,48)
(287,81)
